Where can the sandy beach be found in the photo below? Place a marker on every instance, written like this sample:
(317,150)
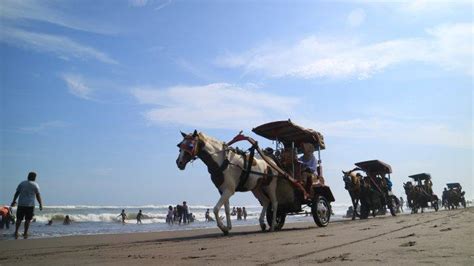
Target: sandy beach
(440,238)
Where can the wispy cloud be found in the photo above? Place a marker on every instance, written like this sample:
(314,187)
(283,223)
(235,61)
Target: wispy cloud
(63,47)
(396,130)
(49,12)
(155,4)
(448,46)
(44,127)
(77,86)
(356,17)
(216,105)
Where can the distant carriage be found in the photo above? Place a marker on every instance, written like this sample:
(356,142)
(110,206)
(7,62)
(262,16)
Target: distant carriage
(453,197)
(420,194)
(373,190)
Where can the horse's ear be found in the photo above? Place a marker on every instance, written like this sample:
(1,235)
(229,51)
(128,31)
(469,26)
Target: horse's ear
(195,133)
(343,172)
(183,134)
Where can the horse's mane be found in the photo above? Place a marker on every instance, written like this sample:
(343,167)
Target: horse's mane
(209,139)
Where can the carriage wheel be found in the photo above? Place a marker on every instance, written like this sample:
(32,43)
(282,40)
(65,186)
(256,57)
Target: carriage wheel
(280,218)
(321,211)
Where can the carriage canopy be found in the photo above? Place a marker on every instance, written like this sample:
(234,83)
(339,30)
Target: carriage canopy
(453,185)
(375,167)
(288,132)
(419,177)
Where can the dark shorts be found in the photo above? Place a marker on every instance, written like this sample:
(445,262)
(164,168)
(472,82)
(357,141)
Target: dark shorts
(24,212)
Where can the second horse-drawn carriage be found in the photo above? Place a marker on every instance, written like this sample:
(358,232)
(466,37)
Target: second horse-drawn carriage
(453,196)
(281,181)
(373,190)
(420,195)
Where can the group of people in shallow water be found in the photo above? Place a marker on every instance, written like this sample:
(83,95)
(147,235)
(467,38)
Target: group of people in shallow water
(179,214)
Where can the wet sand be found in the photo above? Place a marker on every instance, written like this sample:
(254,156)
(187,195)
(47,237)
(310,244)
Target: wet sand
(441,238)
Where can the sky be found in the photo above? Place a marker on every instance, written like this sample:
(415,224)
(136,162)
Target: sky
(94,94)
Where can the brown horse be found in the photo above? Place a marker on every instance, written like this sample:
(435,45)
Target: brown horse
(353,183)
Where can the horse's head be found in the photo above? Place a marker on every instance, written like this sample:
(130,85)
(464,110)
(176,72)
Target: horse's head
(347,180)
(351,179)
(188,149)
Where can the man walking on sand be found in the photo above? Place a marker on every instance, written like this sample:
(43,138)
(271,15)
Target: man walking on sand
(26,191)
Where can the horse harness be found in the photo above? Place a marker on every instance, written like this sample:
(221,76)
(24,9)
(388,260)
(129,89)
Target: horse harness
(217,171)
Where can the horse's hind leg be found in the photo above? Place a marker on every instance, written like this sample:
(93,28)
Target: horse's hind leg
(271,190)
(264,201)
(227,214)
(223,199)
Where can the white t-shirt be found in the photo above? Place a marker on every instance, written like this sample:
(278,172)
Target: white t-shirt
(28,190)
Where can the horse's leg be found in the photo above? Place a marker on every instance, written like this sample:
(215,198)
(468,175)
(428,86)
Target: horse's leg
(227,214)
(223,199)
(271,190)
(264,201)
(353,206)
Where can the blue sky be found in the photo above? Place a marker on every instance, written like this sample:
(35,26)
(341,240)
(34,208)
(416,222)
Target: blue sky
(94,93)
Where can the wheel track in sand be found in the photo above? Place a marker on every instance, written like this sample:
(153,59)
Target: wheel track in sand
(302,255)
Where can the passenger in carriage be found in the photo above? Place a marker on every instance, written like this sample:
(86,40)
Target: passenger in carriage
(428,184)
(310,166)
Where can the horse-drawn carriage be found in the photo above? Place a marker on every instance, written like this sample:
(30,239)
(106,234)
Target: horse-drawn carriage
(277,178)
(453,196)
(302,186)
(420,194)
(372,190)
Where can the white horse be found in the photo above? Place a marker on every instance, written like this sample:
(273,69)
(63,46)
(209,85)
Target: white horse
(229,174)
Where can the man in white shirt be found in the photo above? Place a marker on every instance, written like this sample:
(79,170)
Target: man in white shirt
(27,191)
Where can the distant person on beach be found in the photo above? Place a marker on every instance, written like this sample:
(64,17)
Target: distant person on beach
(175,214)
(234,212)
(26,192)
(239,213)
(185,213)
(170,216)
(244,212)
(67,220)
(139,217)
(179,211)
(123,215)
(50,222)
(207,216)
(6,215)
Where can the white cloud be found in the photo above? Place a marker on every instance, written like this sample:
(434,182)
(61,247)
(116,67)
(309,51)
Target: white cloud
(138,3)
(404,131)
(77,86)
(448,46)
(49,12)
(217,105)
(63,47)
(44,126)
(356,17)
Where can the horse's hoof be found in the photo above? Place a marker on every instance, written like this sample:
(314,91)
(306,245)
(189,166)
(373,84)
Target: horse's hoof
(263,226)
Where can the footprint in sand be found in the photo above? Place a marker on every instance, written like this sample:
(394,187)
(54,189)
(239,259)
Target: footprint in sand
(408,244)
(446,229)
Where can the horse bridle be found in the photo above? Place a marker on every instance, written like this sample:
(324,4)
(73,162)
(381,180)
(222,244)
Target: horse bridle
(191,146)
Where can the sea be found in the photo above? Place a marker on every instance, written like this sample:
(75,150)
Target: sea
(94,220)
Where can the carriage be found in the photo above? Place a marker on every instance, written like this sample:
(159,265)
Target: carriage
(376,194)
(454,196)
(421,193)
(299,188)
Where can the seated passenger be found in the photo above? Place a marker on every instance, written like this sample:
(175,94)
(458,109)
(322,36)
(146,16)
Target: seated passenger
(309,166)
